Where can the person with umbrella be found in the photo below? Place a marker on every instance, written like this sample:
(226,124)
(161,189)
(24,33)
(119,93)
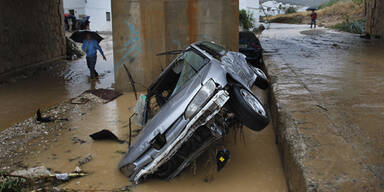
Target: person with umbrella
(90,47)
(313,18)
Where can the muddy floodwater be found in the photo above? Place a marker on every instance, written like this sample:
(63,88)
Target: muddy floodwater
(22,96)
(255,164)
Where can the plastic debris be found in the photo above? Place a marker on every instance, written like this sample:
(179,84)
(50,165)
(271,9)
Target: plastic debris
(222,158)
(67,176)
(105,135)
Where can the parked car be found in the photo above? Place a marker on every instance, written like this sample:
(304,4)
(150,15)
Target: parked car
(250,46)
(204,92)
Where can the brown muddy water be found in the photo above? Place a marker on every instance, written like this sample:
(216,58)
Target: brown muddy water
(21,97)
(255,164)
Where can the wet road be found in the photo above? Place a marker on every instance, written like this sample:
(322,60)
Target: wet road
(331,85)
(20,98)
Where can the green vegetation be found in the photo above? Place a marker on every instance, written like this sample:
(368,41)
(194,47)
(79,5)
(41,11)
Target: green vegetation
(333,2)
(328,4)
(246,19)
(11,184)
(291,10)
(351,26)
(358,2)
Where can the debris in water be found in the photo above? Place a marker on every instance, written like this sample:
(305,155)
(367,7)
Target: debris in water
(77,169)
(105,94)
(77,140)
(34,172)
(42,119)
(105,135)
(79,100)
(321,107)
(120,152)
(221,158)
(85,160)
(72,159)
(67,176)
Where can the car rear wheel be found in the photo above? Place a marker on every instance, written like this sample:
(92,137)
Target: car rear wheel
(248,109)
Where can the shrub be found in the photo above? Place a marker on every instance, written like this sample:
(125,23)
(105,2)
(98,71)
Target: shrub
(351,27)
(291,10)
(246,19)
(10,184)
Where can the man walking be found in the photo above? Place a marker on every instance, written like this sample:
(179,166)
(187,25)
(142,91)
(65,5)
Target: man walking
(313,18)
(90,47)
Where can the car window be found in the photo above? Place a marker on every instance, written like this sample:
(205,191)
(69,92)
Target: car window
(192,63)
(213,49)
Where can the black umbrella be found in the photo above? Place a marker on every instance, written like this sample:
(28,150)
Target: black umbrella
(79,36)
(313,8)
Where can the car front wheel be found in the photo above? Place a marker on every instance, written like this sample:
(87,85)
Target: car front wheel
(248,109)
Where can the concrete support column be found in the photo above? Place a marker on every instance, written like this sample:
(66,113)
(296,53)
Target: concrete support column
(143,28)
(374,10)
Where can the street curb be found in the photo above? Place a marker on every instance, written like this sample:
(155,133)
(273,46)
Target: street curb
(287,139)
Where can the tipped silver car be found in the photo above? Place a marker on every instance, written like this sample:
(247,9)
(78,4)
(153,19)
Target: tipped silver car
(204,92)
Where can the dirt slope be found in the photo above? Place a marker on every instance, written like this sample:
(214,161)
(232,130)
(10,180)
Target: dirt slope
(328,16)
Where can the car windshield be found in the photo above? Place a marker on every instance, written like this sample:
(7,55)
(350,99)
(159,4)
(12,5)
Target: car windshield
(191,62)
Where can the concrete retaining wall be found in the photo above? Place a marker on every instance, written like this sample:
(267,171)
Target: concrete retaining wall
(143,28)
(31,33)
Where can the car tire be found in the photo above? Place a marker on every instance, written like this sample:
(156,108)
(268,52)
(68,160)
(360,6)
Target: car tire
(248,109)
(261,80)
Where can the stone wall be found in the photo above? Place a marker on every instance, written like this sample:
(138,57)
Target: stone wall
(143,28)
(374,10)
(31,34)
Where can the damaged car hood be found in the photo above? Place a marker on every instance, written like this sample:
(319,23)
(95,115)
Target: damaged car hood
(167,115)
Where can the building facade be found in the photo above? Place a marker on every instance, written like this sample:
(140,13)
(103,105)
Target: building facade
(98,10)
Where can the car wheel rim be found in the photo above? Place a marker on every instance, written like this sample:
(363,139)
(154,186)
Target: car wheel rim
(260,73)
(252,101)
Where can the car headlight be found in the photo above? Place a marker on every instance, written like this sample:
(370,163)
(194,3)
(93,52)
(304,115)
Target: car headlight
(205,92)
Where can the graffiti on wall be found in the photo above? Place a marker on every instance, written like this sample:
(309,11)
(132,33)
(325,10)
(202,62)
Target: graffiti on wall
(131,48)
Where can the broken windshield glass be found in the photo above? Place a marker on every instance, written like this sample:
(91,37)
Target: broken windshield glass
(192,62)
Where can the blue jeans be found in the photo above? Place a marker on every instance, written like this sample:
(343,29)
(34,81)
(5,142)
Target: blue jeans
(91,63)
